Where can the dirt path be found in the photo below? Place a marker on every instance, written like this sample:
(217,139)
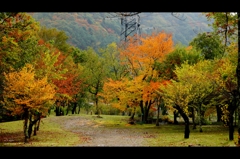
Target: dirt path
(98,135)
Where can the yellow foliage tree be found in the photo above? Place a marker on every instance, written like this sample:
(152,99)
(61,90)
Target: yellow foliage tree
(25,95)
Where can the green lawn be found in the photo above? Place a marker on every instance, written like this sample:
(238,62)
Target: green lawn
(51,134)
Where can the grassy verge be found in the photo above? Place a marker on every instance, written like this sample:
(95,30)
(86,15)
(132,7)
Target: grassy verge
(49,134)
(173,135)
(52,134)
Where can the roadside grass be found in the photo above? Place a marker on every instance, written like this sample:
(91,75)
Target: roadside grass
(173,135)
(51,133)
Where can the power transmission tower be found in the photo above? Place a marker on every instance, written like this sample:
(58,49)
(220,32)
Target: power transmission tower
(130,25)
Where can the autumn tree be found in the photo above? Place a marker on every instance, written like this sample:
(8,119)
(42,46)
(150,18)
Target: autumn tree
(210,46)
(116,70)
(226,24)
(94,75)
(140,60)
(27,98)
(56,37)
(68,86)
(193,88)
(50,65)
(227,85)
(180,54)
(18,42)
(177,95)
(203,92)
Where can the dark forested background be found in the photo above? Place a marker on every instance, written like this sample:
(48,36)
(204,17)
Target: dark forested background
(96,29)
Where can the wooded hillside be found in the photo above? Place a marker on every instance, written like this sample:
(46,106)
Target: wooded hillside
(98,29)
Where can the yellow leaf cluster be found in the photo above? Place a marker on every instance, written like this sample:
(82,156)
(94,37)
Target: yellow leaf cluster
(23,92)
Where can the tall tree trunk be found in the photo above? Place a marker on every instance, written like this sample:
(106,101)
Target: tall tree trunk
(79,109)
(68,108)
(33,123)
(30,129)
(97,108)
(131,119)
(35,129)
(193,118)
(145,114)
(158,112)
(133,113)
(142,110)
(57,109)
(175,115)
(231,127)
(235,118)
(25,126)
(74,107)
(147,109)
(219,113)
(200,117)
(186,120)
(38,123)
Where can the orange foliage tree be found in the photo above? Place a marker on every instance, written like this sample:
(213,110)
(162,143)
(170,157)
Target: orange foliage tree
(25,95)
(69,86)
(141,59)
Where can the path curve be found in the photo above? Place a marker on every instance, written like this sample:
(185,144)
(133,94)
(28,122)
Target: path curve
(93,134)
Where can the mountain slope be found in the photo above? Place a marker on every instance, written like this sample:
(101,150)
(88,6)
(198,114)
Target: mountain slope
(97,29)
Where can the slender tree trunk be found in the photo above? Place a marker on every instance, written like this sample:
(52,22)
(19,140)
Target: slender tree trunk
(231,127)
(35,129)
(33,123)
(142,110)
(193,119)
(131,119)
(30,129)
(62,108)
(158,111)
(68,108)
(133,114)
(38,123)
(235,118)
(175,115)
(219,114)
(79,109)
(49,111)
(97,108)
(74,107)
(200,117)
(25,126)
(57,109)
(186,120)
(145,113)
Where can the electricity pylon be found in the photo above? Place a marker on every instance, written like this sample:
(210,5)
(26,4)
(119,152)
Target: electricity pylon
(130,25)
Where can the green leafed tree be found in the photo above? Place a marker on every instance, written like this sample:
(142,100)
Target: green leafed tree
(94,74)
(210,46)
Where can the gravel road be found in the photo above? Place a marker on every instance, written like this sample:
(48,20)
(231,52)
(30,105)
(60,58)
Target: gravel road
(98,135)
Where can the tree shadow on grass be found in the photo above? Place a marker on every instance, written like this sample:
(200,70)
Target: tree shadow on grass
(11,137)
